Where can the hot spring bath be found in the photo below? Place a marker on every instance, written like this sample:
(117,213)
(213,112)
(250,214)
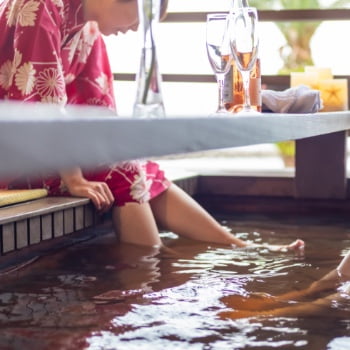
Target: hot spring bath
(100,295)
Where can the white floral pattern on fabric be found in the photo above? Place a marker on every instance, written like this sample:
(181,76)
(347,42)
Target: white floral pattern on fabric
(73,48)
(89,35)
(58,3)
(6,75)
(8,70)
(50,83)
(25,78)
(140,188)
(69,78)
(103,83)
(27,14)
(12,12)
(23,13)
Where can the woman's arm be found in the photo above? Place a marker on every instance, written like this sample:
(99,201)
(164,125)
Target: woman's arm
(78,186)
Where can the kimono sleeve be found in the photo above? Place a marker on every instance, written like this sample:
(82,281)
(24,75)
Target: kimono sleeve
(33,69)
(93,85)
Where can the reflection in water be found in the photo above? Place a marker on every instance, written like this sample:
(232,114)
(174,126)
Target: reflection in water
(101,295)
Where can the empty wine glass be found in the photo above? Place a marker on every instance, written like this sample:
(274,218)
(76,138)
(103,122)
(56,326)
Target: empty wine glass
(218,50)
(244,40)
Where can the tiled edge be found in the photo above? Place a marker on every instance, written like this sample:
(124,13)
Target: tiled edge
(78,218)
(88,215)
(45,226)
(8,237)
(58,224)
(21,234)
(34,230)
(68,220)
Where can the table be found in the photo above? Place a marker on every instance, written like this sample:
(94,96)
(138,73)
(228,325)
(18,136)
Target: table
(38,137)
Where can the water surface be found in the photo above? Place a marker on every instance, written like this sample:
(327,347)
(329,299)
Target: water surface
(102,295)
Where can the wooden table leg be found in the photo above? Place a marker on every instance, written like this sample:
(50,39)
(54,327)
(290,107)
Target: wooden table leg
(320,166)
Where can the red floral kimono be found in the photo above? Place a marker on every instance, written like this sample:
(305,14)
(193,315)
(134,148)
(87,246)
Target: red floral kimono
(49,54)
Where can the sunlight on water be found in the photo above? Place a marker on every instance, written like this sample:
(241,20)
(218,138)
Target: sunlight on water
(99,295)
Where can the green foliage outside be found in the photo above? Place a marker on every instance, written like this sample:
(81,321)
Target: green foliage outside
(296,53)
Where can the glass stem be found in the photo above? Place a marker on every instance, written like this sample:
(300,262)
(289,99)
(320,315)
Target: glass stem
(221,104)
(246,78)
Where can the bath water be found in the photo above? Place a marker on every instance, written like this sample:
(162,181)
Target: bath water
(102,295)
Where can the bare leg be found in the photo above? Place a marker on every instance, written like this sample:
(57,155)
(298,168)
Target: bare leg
(265,301)
(319,306)
(262,301)
(178,212)
(175,211)
(135,224)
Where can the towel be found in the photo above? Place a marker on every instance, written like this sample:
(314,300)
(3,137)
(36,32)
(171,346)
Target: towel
(8,197)
(299,99)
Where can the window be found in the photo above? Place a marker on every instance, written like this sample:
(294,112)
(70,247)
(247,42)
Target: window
(181,50)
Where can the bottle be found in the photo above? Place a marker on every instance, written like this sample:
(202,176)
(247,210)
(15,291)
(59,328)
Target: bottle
(233,84)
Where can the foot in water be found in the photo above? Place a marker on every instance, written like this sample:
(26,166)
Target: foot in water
(252,302)
(298,245)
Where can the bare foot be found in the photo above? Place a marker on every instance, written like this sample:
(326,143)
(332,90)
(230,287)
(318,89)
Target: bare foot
(253,302)
(297,245)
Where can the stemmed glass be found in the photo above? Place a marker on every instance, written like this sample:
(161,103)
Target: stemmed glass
(244,40)
(218,50)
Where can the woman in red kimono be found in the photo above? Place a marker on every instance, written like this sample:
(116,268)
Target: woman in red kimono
(52,51)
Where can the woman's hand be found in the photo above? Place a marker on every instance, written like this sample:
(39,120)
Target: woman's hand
(98,192)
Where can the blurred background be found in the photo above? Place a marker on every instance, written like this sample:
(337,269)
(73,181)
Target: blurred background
(285,46)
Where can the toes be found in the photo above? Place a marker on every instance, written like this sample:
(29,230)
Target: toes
(297,245)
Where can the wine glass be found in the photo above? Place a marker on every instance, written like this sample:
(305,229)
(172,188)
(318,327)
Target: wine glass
(218,50)
(244,40)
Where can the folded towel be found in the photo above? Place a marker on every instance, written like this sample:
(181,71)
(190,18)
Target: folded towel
(8,197)
(299,99)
